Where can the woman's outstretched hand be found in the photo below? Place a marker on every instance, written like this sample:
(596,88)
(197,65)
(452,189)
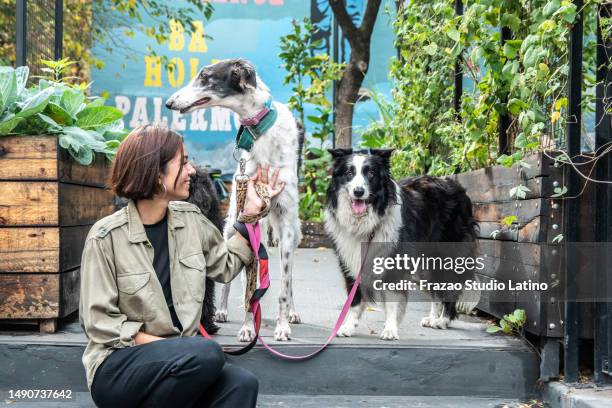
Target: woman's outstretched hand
(253,204)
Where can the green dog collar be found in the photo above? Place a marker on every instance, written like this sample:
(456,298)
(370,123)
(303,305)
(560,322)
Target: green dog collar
(247,135)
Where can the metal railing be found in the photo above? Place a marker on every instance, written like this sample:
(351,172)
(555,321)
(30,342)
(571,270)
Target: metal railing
(39,32)
(602,215)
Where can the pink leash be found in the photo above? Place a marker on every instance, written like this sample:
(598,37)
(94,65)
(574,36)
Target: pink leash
(255,241)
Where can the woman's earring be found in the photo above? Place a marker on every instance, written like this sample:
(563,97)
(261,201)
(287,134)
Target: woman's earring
(165,190)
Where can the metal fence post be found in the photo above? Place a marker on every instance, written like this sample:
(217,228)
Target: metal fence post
(458,69)
(574,121)
(59,29)
(504,120)
(21,39)
(335,57)
(603,221)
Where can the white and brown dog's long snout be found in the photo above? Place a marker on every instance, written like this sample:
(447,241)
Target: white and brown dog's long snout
(215,85)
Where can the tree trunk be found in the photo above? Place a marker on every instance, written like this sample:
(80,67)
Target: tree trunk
(356,69)
(346,98)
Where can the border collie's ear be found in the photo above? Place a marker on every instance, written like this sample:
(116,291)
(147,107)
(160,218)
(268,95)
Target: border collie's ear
(382,153)
(242,75)
(339,153)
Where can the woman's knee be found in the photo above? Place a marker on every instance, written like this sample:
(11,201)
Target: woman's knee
(242,378)
(207,354)
(251,383)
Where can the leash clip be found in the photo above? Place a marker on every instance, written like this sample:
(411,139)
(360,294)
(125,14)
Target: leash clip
(238,159)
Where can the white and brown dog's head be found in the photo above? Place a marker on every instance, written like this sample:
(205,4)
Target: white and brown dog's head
(222,84)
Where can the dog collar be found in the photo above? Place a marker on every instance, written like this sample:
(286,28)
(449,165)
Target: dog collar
(251,129)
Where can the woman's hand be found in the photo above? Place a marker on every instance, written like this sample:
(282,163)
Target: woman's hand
(144,338)
(253,204)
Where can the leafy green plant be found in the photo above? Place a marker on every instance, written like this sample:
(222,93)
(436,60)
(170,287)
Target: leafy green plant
(519,192)
(83,124)
(58,71)
(510,324)
(524,79)
(383,131)
(310,75)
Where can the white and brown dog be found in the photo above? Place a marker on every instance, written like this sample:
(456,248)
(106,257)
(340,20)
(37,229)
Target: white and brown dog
(271,135)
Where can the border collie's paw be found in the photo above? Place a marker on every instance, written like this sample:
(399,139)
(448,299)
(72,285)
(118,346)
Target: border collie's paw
(426,321)
(246,333)
(389,334)
(436,322)
(221,316)
(294,318)
(346,330)
(282,332)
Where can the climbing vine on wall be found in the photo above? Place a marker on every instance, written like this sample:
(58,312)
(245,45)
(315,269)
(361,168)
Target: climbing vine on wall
(524,78)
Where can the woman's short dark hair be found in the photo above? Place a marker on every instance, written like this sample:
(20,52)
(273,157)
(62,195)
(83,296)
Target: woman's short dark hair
(141,158)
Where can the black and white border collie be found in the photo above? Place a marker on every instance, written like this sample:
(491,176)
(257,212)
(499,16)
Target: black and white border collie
(363,199)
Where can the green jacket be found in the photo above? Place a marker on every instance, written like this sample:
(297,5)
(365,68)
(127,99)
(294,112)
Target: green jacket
(120,292)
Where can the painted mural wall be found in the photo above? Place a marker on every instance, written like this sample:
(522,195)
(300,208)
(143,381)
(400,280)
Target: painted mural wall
(138,84)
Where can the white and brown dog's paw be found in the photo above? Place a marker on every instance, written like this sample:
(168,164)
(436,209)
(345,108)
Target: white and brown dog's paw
(294,318)
(247,333)
(282,332)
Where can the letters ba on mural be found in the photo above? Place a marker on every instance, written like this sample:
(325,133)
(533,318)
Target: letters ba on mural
(175,75)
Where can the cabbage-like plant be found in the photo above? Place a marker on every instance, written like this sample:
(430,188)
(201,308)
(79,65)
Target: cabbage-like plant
(83,124)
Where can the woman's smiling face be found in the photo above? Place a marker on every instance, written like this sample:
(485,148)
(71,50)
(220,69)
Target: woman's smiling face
(177,188)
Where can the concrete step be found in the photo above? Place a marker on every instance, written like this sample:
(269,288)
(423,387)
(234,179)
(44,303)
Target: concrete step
(461,361)
(83,400)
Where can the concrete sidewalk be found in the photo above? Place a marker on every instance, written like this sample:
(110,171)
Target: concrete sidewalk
(319,295)
(83,400)
(561,395)
(463,361)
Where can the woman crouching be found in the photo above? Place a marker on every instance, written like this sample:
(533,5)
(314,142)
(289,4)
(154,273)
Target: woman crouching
(143,281)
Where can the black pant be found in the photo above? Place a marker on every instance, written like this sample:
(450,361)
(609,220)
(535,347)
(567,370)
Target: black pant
(179,373)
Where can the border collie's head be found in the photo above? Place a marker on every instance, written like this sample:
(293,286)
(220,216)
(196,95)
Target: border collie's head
(361,181)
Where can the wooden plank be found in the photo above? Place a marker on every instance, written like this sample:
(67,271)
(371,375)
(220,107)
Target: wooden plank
(70,290)
(490,304)
(28,158)
(47,249)
(493,184)
(526,253)
(314,236)
(535,311)
(83,205)
(28,203)
(505,270)
(95,175)
(525,210)
(36,203)
(72,242)
(47,326)
(29,249)
(491,192)
(29,296)
(529,232)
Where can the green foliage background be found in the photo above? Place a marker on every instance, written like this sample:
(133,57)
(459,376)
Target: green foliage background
(310,76)
(525,78)
(80,32)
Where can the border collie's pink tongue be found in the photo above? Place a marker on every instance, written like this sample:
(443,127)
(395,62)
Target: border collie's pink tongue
(359,207)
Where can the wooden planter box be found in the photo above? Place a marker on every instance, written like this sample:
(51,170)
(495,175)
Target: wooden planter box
(530,240)
(314,236)
(48,203)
